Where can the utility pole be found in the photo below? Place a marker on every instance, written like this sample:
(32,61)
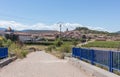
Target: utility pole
(60,30)
(60,26)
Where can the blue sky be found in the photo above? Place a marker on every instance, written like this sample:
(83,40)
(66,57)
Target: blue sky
(103,14)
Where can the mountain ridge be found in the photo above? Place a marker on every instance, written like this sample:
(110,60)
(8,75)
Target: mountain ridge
(2,29)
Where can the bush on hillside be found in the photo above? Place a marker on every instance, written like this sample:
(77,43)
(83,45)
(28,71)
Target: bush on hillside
(58,42)
(75,43)
(6,43)
(24,53)
(19,51)
(65,48)
(50,48)
(40,43)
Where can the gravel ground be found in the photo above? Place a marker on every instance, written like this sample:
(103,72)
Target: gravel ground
(41,64)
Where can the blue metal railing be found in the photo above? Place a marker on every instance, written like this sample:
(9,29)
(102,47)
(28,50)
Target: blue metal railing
(108,59)
(3,52)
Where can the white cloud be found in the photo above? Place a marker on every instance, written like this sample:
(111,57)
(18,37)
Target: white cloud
(41,26)
(13,25)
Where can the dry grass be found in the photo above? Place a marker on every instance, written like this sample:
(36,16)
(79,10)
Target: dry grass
(37,47)
(58,54)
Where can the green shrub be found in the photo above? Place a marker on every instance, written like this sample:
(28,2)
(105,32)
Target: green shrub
(20,52)
(58,42)
(40,43)
(14,47)
(65,48)
(6,43)
(24,53)
(75,43)
(50,48)
(1,43)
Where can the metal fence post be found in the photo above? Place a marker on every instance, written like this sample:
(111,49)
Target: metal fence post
(77,53)
(73,52)
(110,61)
(80,54)
(92,57)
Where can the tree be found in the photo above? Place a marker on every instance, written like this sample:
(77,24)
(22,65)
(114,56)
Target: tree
(12,37)
(81,28)
(84,38)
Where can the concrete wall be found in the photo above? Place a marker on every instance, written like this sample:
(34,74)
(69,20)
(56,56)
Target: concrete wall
(6,61)
(90,69)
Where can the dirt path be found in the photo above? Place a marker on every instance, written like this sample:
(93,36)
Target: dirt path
(85,43)
(41,64)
